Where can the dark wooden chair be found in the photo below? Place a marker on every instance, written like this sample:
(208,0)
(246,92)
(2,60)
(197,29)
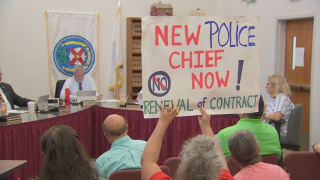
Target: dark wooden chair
(133,174)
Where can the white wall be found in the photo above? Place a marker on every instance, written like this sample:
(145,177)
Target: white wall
(23,38)
(269,11)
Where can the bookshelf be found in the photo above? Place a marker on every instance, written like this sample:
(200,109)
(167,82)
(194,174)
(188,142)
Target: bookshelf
(134,65)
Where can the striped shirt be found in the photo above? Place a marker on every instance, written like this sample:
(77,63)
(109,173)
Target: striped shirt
(283,104)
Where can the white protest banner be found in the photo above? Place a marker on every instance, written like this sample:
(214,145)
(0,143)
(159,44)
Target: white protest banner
(200,61)
(72,39)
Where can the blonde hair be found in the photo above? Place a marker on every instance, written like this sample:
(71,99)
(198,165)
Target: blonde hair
(280,85)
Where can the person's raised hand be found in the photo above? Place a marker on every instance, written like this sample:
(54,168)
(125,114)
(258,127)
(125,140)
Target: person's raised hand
(99,97)
(168,114)
(204,119)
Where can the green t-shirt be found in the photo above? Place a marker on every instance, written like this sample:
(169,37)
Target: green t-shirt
(266,135)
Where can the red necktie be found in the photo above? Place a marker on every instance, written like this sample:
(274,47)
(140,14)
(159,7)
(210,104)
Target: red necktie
(2,95)
(2,98)
(80,87)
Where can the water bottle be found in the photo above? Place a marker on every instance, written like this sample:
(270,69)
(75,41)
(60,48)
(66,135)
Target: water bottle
(67,96)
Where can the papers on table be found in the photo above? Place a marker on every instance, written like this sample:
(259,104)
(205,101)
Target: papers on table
(16,111)
(109,100)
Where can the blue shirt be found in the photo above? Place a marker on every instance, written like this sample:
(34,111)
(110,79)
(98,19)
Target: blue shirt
(125,153)
(283,104)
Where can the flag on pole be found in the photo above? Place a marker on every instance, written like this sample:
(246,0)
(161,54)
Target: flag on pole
(116,77)
(73,39)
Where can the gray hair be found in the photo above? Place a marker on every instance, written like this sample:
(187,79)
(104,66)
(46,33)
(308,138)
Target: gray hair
(78,67)
(243,147)
(116,132)
(200,159)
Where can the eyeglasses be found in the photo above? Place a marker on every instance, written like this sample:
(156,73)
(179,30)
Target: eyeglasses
(80,75)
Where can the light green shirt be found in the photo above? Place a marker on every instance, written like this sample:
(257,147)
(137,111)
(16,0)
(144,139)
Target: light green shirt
(266,135)
(125,153)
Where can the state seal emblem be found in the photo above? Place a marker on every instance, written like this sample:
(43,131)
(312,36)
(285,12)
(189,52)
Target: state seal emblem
(72,50)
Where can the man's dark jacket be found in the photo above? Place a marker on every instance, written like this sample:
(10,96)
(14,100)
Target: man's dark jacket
(12,97)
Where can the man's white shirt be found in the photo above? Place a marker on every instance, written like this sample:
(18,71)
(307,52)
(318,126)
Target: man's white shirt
(87,84)
(5,100)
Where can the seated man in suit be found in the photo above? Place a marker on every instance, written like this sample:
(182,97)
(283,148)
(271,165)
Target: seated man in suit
(125,153)
(266,134)
(79,82)
(9,96)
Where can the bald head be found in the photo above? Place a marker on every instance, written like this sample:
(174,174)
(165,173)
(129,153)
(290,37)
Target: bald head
(115,125)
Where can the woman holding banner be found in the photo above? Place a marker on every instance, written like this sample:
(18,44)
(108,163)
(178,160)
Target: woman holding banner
(279,105)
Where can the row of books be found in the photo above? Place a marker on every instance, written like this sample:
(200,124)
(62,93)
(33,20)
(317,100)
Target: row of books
(136,79)
(136,28)
(136,63)
(136,45)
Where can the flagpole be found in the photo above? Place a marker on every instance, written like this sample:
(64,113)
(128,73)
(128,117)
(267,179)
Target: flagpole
(117,59)
(116,88)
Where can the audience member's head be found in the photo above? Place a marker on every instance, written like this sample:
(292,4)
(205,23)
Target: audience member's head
(115,127)
(64,157)
(255,115)
(78,72)
(277,84)
(200,159)
(244,148)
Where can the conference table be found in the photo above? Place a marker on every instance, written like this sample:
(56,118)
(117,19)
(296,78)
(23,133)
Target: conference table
(9,166)
(20,139)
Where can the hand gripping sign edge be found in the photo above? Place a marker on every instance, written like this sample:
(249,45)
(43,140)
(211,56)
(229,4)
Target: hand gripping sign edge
(152,77)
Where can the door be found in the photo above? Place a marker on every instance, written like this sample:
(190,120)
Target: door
(299,78)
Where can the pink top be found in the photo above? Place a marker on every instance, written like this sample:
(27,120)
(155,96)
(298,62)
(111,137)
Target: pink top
(224,175)
(262,171)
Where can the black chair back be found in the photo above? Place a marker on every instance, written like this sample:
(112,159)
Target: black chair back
(59,86)
(291,141)
(295,125)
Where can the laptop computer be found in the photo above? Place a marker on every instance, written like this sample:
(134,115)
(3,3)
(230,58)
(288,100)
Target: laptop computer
(43,103)
(86,95)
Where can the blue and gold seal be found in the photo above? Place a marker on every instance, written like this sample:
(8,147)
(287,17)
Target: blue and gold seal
(72,50)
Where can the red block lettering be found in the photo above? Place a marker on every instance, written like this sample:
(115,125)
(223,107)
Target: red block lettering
(222,81)
(212,80)
(196,80)
(158,32)
(209,58)
(170,60)
(192,37)
(198,65)
(216,57)
(174,27)
(184,59)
